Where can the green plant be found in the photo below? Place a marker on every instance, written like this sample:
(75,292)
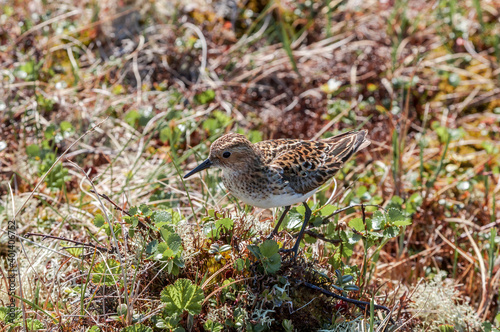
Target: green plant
(168,251)
(211,326)
(101,223)
(182,296)
(107,273)
(287,325)
(137,328)
(217,250)
(222,226)
(268,254)
(44,155)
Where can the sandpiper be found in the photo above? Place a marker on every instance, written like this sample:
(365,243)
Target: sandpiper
(280,172)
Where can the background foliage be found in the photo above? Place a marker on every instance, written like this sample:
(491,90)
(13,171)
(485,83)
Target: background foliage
(170,77)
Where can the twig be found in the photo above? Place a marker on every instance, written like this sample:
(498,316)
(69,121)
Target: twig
(106,197)
(482,269)
(215,274)
(69,240)
(361,304)
(321,237)
(221,288)
(45,23)
(349,207)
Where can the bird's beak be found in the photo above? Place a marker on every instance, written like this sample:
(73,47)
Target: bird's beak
(204,165)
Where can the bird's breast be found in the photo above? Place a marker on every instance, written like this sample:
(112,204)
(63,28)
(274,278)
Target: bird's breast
(262,190)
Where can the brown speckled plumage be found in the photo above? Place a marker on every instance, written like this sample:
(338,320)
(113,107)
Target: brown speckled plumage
(257,173)
(280,172)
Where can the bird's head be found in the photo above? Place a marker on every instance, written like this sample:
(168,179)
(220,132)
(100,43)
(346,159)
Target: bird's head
(231,152)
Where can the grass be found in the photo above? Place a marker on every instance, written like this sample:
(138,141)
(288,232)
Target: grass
(122,100)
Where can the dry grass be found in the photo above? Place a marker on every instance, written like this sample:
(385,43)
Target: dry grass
(422,77)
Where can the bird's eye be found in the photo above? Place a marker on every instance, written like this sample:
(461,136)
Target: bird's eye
(226,154)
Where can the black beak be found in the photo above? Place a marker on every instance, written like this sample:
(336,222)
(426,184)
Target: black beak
(204,165)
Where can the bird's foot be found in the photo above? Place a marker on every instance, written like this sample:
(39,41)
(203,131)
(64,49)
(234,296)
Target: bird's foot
(289,251)
(270,236)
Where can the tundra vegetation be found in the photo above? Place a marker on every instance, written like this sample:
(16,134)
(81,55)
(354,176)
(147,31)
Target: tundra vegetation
(104,106)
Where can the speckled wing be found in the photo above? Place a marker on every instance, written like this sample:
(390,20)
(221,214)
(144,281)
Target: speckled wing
(271,149)
(306,165)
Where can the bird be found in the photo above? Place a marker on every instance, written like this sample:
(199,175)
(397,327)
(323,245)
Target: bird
(280,172)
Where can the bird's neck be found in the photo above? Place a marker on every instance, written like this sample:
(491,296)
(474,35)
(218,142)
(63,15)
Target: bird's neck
(251,164)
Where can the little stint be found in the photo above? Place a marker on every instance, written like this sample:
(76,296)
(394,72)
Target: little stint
(280,172)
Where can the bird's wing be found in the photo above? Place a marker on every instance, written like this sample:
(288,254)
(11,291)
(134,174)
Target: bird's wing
(271,149)
(307,165)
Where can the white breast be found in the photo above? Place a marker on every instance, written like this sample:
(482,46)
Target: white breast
(274,200)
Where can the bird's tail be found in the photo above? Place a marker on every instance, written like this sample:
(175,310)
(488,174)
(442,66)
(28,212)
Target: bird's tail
(346,144)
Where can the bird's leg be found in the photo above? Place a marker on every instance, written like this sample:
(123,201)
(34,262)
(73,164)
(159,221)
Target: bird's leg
(307,216)
(276,229)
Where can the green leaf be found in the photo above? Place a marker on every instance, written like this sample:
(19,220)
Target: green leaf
(134,221)
(179,329)
(328,210)
(152,247)
(146,210)
(133,210)
(132,117)
(33,150)
(176,247)
(272,264)
(108,273)
(165,232)
(225,248)
(391,232)
(66,126)
(350,237)
(212,326)
(76,252)
(168,254)
(99,220)
(162,246)
(205,97)
(268,248)
(398,218)
(50,132)
(34,324)
(351,288)
(174,241)
(295,219)
(287,325)
(225,223)
(378,221)
(166,217)
(137,328)
(489,147)
(165,134)
(239,264)
(446,328)
(254,136)
(395,215)
(182,296)
(254,250)
(357,224)
(121,310)
(405,222)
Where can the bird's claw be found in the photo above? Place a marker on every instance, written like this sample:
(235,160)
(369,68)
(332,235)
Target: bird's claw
(288,251)
(270,236)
